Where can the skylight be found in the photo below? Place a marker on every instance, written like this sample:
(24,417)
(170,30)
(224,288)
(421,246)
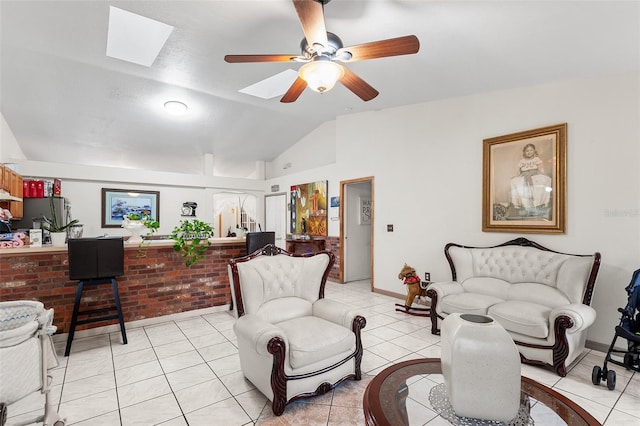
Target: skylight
(134,38)
(273,86)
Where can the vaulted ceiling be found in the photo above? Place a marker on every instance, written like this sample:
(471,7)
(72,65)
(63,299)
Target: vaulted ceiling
(66,101)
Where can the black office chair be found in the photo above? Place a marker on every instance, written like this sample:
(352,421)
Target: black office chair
(257,240)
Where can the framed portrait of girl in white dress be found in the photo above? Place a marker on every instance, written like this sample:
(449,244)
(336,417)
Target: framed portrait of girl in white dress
(524,181)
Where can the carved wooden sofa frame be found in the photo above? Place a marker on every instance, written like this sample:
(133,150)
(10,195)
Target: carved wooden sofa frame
(567,323)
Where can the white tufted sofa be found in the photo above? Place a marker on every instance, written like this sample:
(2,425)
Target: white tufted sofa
(292,342)
(540,296)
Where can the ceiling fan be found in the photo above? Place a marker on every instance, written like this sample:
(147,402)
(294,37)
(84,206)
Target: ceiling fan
(321,52)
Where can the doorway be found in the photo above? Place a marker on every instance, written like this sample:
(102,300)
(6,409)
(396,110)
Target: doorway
(234,210)
(275,217)
(356,229)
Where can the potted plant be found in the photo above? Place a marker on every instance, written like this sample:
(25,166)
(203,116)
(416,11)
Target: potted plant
(136,223)
(57,231)
(191,239)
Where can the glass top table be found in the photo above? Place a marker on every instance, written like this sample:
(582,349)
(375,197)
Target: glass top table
(385,396)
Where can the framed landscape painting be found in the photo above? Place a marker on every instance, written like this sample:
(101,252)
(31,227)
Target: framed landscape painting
(524,181)
(116,203)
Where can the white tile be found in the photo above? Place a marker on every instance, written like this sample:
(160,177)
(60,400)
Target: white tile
(190,376)
(151,412)
(109,419)
(89,343)
(171,349)
(410,342)
(389,351)
(180,361)
(213,337)
(192,323)
(87,369)
(93,355)
(136,340)
(227,412)
(385,333)
(178,421)
(94,384)
(201,395)
(144,390)
(134,358)
(125,376)
(253,402)
(629,404)
(618,418)
(236,383)
(408,327)
(89,407)
(226,365)
(371,361)
(218,350)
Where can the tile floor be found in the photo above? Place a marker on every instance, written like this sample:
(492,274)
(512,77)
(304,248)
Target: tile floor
(187,372)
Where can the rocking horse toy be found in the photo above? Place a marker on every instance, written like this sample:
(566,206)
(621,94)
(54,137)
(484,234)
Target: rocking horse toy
(415,287)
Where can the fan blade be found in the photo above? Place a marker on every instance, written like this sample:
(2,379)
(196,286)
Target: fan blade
(379,49)
(259,58)
(358,85)
(311,15)
(294,91)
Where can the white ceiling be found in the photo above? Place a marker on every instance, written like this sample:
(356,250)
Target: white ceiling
(67,102)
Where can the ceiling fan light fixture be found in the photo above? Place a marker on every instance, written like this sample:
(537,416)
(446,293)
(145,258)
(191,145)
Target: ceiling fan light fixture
(175,108)
(321,74)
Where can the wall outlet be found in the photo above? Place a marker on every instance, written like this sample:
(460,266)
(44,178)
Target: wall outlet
(427,276)
(389,228)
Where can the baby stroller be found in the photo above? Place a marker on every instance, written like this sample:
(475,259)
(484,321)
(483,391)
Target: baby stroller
(27,353)
(629,329)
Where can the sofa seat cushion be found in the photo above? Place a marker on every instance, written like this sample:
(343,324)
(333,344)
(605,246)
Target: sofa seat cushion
(468,303)
(541,294)
(529,319)
(312,339)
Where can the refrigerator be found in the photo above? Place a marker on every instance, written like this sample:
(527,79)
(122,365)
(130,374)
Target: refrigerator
(35,208)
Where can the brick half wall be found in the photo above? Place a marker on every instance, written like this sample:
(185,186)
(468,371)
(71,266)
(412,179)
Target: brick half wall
(155,284)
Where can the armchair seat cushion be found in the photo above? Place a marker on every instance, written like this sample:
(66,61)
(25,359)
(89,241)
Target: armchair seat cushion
(526,318)
(313,339)
(468,303)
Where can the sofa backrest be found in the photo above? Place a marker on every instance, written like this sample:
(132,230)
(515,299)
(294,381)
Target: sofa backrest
(279,285)
(573,275)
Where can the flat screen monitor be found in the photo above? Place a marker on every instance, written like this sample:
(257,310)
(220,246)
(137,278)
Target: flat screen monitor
(94,258)
(257,240)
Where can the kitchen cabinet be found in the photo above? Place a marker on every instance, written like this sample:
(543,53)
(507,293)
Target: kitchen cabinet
(5,178)
(12,183)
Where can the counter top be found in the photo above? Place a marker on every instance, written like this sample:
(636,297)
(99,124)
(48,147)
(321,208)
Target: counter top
(150,243)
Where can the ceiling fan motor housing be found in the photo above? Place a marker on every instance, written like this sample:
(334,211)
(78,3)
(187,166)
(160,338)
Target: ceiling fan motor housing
(334,43)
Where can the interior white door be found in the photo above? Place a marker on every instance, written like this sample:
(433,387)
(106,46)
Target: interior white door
(357,231)
(275,217)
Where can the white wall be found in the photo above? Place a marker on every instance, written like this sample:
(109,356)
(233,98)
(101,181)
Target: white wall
(427,164)
(9,148)
(82,186)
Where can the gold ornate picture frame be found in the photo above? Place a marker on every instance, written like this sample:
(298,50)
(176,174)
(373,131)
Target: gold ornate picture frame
(524,178)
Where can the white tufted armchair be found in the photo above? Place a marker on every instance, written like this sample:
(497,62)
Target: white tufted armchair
(292,342)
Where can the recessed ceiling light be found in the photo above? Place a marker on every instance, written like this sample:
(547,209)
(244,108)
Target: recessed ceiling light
(175,107)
